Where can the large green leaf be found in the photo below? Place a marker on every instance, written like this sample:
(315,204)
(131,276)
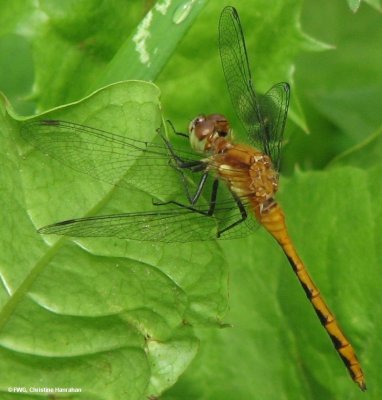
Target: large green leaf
(105,317)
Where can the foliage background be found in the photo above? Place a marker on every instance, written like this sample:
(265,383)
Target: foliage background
(123,320)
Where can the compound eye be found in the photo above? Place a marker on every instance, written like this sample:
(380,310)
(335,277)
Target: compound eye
(198,120)
(195,122)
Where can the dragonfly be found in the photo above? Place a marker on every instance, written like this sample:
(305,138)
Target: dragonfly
(228,189)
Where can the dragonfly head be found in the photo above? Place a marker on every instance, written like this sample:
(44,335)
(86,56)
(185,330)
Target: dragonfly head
(204,130)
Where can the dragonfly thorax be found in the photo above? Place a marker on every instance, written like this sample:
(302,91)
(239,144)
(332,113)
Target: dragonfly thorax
(205,130)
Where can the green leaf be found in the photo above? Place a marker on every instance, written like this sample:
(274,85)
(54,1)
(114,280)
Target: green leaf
(362,155)
(337,82)
(339,93)
(103,316)
(375,3)
(79,46)
(12,13)
(354,5)
(148,48)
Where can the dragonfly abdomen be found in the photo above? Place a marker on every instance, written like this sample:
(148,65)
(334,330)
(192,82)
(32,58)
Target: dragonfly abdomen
(272,218)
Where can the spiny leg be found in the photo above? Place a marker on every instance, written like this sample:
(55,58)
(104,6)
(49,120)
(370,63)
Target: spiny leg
(196,196)
(194,165)
(175,131)
(197,166)
(212,205)
(179,165)
(243,213)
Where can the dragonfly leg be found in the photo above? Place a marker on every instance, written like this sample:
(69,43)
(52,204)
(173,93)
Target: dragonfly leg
(243,213)
(194,165)
(179,165)
(196,196)
(193,198)
(175,131)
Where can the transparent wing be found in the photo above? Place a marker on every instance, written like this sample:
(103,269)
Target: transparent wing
(274,110)
(255,112)
(163,225)
(233,55)
(106,156)
(124,161)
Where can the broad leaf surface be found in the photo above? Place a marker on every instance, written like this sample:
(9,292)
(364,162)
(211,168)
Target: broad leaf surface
(90,316)
(112,313)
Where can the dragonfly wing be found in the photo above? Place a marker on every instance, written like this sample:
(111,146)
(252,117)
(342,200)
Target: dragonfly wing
(106,156)
(233,55)
(170,225)
(256,112)
(274,109)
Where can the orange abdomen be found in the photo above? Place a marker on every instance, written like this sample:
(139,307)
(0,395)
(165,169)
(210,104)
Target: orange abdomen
(273,220)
